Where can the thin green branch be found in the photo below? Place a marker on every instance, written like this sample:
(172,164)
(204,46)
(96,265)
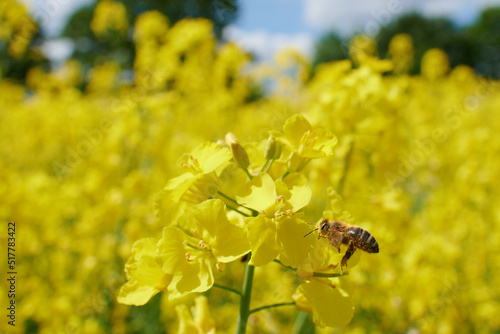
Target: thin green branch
(329,274)
(248,173)
(228,288)
(301,323)
(271,306)
(264,166)
(315,274)
(270,164)
(227,197)
(240,212)
(254,213)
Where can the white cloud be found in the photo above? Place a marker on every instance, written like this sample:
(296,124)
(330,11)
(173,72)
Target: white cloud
(344,17)
(366,15)
(265,44)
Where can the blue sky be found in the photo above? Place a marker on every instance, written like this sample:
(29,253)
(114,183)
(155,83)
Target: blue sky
(266,26)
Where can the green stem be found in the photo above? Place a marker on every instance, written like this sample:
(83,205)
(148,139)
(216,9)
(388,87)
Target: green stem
(248,173)
(264,166)
(254,213)
(271,306)
(246,293)
(240,212)
(228,288)
(314,273)
(301,323)
(269,167)
(347,162)
(284,175)
(227,197)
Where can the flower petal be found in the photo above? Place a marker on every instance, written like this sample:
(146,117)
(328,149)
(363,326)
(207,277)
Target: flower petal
(144,274)
(211,156)
(133,293)
(290,236)
(227,241)
(300,197)
(145,246)
(294,129)
(330,306)
(172,250)
(324,141)
(148,272)
(262,237)
(261,194)
(195,276)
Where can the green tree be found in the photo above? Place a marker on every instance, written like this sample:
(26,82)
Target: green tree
(486,36)
(477,45)
(16,68)
(427,33)
(330,47)
(90,49)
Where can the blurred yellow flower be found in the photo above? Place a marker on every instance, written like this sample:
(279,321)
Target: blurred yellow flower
(435,64)
(151,25)
(401,53)
(202,322)
(16,27)
(109,16)
(362,47)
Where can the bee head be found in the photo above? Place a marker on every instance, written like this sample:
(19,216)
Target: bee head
(324,226)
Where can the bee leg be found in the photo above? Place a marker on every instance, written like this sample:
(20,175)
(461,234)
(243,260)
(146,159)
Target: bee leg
(350,250)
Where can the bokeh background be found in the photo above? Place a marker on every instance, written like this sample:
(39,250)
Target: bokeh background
(99,101)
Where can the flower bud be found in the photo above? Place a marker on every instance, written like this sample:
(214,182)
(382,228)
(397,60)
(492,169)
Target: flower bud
(296,163)
(240,156)
(273,149)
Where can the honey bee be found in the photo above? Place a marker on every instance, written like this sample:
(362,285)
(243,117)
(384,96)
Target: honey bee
(353,236)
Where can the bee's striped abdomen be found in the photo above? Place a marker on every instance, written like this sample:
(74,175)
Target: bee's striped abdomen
(363,239)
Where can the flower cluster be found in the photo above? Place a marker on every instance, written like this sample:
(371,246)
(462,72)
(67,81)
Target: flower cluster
(415,160)
(228,207)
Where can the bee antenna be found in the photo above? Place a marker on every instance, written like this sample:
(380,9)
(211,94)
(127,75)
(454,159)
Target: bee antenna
(311,232)
(312,224)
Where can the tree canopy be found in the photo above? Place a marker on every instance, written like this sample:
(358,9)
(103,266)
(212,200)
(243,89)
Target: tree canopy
(477,45)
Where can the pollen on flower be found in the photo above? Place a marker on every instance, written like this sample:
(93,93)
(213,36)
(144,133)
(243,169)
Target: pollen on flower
(188,257)
(202,245)
(193,165)
(288,212)
(307,140)
(194,231)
